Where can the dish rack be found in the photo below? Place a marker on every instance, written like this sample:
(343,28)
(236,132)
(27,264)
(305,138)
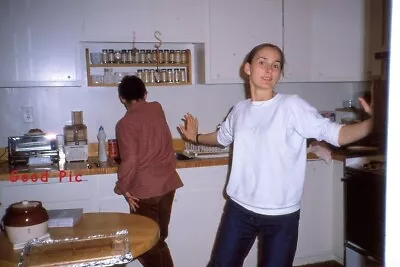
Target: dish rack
(206,151)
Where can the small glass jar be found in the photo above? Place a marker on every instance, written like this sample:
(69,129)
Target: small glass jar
(154,57)
(117,56)
(184,56)
(166,56)
(149,56)
(104,56)
(171,56)
(124,56)
(111,58)
(139,74)
(142,56)
(160,56)
(170,76)
(136,56)
(151,76)
(177,57)
(164,78)
(146,76)
(176,75)
(183,75)
(130,56)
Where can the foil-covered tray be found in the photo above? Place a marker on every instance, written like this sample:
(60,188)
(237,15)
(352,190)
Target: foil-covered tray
(94,250)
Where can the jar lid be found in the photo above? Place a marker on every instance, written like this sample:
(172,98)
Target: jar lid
(25,213)
(25,205)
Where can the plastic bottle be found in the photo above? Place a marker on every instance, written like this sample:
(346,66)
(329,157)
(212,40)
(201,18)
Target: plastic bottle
(101,136)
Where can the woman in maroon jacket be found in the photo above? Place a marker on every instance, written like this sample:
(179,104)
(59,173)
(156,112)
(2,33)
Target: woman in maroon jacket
(147,174)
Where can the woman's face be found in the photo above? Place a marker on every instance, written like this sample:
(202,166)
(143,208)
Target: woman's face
(265,68)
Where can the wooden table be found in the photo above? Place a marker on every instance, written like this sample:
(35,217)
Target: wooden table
(143,233)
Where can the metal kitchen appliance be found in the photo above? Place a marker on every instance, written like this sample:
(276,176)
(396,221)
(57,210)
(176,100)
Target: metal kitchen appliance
(364,210)
(75,139)
(32,149)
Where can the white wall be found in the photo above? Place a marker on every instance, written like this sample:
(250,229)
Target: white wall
(210,103)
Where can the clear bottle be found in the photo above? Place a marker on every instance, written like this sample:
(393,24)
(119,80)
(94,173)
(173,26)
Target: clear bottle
(104,56)
(111,58)
(118,56)
(183,56)
(182,75)
(101,137)
(170,76)
(124,56)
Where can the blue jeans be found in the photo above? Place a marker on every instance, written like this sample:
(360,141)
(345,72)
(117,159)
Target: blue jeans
(238,230)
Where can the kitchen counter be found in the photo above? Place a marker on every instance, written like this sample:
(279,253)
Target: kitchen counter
(79,169)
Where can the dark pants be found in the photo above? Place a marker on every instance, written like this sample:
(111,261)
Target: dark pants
(158,209)
(239,228)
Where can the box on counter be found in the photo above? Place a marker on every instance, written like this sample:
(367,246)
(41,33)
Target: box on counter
(64,217)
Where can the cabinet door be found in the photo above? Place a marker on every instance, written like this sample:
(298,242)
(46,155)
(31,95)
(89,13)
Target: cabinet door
(235,28)
(324,40)
(40,42)
(120,20)
(316,216)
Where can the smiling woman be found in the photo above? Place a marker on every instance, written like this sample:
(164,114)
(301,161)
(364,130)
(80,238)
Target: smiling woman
(269,132)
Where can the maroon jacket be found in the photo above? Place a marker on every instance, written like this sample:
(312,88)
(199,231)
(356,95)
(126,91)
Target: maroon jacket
(148,163)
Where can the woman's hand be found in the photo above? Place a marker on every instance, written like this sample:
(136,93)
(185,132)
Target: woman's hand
(367,107)
(133,201)
(190,128)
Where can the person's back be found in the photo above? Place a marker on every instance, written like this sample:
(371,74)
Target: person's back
(156,162)
(147,176)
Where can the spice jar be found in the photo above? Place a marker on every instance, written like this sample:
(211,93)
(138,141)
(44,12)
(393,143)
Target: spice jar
(104,56)
(183,56)
(170,76)
(177,56)
(142,56)
(171,56)
(166,56)
(130,56)
(149,56)
(139,74)
(111,58)
(124,56)
(182,75)
(118,56)
(164,78)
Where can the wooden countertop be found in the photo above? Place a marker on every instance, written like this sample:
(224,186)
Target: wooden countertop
(143,234)
(82,169)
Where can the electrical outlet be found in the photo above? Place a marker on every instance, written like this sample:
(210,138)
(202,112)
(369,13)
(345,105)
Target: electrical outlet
(27,113)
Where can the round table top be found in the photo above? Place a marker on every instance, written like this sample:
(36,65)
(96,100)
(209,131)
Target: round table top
(143,233)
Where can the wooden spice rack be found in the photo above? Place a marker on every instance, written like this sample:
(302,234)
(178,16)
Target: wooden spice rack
(135,66)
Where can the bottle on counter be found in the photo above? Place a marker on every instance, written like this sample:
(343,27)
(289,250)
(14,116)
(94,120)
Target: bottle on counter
(101,136)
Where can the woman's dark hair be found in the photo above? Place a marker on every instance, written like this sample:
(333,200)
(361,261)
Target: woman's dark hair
(132,88)
(254,51)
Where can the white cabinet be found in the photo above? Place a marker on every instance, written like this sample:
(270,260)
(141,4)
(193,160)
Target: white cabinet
(316,217)
(324,40)
(235,27)
(119,20)
(338,210)
(40,42)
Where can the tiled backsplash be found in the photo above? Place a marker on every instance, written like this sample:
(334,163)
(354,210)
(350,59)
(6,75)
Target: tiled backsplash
(210,103)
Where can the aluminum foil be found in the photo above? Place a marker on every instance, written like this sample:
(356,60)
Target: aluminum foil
(121,237)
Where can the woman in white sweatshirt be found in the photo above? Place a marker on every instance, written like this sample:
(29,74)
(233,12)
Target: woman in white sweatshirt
(269,132)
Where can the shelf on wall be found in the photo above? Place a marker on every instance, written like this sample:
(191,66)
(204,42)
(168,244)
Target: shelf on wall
(91,70)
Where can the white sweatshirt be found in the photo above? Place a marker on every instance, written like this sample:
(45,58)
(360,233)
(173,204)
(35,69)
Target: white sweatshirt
(269,153)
